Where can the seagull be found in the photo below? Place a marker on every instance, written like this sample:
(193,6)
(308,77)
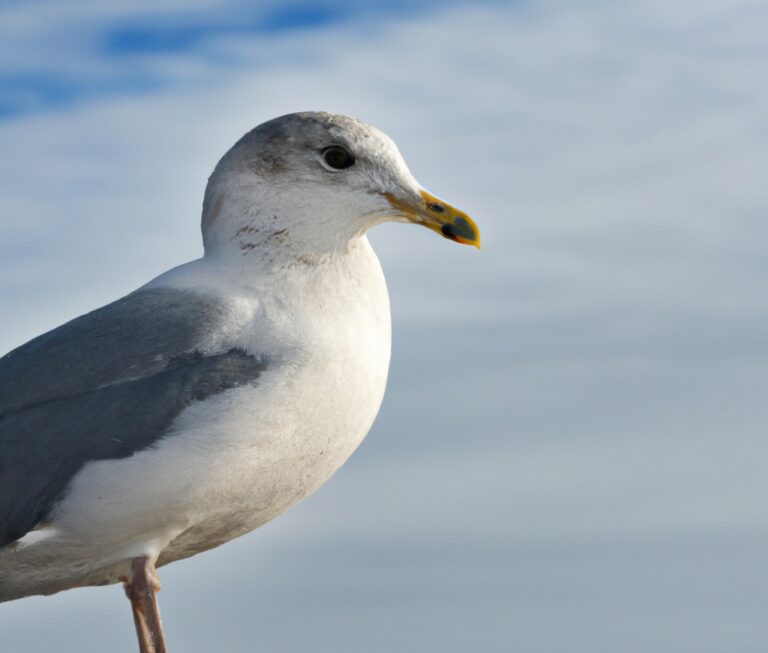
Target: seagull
(213,398)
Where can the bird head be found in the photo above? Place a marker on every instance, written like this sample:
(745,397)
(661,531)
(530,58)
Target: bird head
(310,183)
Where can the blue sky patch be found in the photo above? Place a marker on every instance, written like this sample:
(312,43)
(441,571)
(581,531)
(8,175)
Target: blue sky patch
(182,34)
(89,55)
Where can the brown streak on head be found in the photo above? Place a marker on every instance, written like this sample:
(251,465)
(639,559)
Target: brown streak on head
(248,229)
(278,236)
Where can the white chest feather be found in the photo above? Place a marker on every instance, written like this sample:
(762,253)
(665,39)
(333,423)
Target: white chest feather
(240,458)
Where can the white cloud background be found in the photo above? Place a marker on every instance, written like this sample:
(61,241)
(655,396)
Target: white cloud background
(571,455)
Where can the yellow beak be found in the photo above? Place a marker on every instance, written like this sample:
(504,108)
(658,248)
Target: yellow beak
(439,216)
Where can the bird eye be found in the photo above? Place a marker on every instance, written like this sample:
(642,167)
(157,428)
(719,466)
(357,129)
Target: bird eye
(337,158)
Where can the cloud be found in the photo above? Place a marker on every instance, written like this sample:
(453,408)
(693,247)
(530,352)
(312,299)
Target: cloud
(55,54)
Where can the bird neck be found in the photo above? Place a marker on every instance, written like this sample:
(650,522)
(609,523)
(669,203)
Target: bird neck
(261,226)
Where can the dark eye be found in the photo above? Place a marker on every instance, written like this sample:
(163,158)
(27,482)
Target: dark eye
(337,158)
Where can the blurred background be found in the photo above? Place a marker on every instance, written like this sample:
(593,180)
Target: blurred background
(571,455)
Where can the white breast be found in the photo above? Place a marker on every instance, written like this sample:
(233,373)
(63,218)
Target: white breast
(242,457)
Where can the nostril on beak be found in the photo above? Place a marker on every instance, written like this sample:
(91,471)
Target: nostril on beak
(434,206)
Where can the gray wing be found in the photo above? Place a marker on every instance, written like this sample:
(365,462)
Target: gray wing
(104,385)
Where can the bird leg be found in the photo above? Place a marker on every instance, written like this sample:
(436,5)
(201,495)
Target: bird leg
(140,589)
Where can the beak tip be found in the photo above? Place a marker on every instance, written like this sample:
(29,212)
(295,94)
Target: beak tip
(473,240)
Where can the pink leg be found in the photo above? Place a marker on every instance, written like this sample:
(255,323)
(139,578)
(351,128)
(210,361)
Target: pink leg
(140,589)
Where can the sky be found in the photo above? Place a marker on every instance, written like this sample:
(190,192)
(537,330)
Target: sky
(571,453)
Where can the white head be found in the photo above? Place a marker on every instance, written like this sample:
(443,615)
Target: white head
(306,184)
